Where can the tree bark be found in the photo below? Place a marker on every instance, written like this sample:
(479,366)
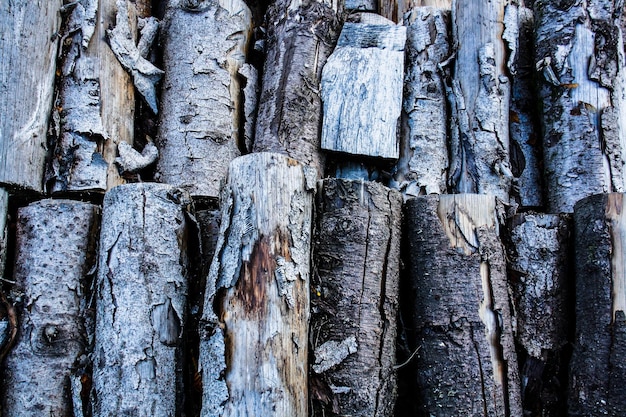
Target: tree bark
(300,37)
(597,370)
(55,252)
(256,306)
(205,45)
(423,164)
(540,278)
(479,98)
(28,52)
(466,363)
(4,212)
(579,57)
(141,301)
(395,10)
(355,299)
(362,90)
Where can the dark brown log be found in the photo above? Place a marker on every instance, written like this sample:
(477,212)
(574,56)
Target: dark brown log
(354,303)
(460,316)
(55,251)
(597,369)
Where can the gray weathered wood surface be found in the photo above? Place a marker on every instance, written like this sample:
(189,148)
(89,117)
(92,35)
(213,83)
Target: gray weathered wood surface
(4,211)
(56,249)
(141,301)
(254,330)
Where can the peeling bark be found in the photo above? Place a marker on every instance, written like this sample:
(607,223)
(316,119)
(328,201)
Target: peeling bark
(141,301)
(355,299)
(256,305)
(466,363)
(55,252)
(205,44)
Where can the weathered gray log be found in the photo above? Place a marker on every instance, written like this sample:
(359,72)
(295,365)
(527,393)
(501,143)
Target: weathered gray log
(354,301)
(540,277)
(55,251)
(361,5)
(362,89)
(423,164)
(7,329)
(597,369)
(479,98)
(395,10)
(254,331)
(579,59)
(466,363)
(300,37)
(141,301)
(204,46)
(28,52)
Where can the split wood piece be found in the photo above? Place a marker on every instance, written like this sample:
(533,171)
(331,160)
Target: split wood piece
(28,52)
(579,59)
(598,365)
(256,309)
(141,301)
(395,10)
(479,98)
(204,46)
(55,251)
(355,299)
(300,37)
(525,145)
(423,164)
(466,362)
(540,277)
(362,89)
(4,212)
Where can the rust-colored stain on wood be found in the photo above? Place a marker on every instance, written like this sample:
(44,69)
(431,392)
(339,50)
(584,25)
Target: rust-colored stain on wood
(255,275)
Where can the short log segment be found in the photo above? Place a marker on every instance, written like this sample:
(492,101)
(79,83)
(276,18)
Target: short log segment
(597,369)
(579,59)
(466,363)
(354,300)
(540,276)
(423,164)
(55,251)
(204,46)
(300,37)
(141,301)
(254,331)
(362,89)
(479,98)
(28,52)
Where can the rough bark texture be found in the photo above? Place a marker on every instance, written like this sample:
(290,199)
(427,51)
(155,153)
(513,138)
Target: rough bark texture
(422,168)
(579,59)
(254,334)
(466,363)
(597,369)
(141,300)
(205,44)
(540,276)
(394,10)
(362,90)
(4,209)
(55,252)
(300,37)
(28,51)
(355,299)
(479,98)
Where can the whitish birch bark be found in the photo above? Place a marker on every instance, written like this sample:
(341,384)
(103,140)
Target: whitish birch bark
(254,330)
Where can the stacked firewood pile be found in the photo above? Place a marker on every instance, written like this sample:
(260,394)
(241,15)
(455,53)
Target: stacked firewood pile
(312,208)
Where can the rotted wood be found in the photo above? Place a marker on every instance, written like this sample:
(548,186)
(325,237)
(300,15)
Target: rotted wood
(256,309)
(354,300)
(579,62)
(423,164)
(597,368)
(362,89)
(55,251)
(28,51)
(460,323)
(141,301)
(479,97)
(204,46)
(300,37)
(540,277)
